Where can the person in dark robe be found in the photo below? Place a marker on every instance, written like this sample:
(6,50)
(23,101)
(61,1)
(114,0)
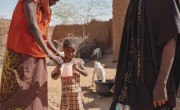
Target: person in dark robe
(147,76)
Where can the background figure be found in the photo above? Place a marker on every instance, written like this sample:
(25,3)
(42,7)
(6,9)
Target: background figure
(146,77)
(24,73)
(71,89)
(96,53)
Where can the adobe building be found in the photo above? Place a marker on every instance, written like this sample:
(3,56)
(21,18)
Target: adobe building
(98,31)
(119,12)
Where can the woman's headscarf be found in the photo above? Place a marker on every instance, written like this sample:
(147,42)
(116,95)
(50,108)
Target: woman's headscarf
(46,8)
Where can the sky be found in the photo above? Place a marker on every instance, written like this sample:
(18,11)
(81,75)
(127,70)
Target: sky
(7,7)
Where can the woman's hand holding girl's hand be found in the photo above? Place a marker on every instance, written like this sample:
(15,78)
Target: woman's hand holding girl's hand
(56,59)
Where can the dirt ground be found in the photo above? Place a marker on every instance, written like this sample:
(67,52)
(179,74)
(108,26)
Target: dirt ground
(91,100)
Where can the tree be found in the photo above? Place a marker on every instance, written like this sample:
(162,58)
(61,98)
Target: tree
(81,11)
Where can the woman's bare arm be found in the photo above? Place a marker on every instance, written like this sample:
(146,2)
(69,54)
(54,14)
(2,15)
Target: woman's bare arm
(160,92)
(30,10)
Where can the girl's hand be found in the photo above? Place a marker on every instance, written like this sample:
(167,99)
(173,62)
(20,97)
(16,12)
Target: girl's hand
(76,66)
(80,61)
(56,72)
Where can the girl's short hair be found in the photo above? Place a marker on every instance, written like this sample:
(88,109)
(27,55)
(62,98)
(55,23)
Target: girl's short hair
(70,41)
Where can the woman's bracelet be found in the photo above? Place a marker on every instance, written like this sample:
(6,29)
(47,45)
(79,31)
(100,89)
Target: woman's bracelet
(52,54)
(49,54)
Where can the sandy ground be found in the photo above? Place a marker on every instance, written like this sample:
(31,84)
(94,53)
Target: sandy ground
(91,100)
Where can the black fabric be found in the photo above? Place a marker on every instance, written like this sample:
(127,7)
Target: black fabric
(176,65)
(160,23)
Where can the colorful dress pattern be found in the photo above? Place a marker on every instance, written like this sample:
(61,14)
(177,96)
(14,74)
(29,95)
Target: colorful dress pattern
(71,93)
(23,82)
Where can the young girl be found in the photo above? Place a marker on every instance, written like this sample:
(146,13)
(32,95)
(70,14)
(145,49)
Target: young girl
(70,99)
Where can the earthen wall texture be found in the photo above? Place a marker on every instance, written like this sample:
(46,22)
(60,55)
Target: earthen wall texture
(119,12)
